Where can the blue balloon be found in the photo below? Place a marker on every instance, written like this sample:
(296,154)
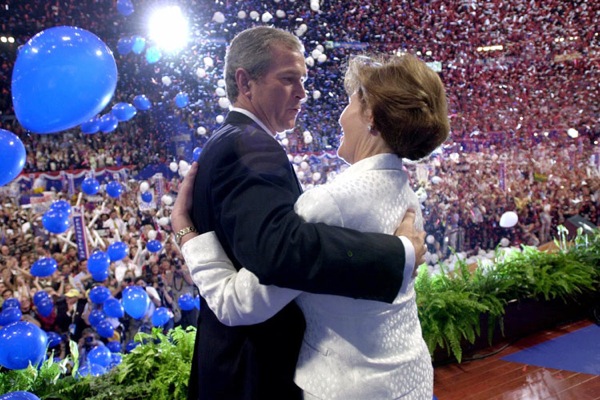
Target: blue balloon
(147,197)
(19,395)
(96,316)
(45,307)
(113,308)
(117,251)
(182,100)
(11,302)
(56,221)
(139,43)
(90,186)
(123,111)
(39,296)
(186,302)
(100,276)
(114,189)
(124,7)
(91,369)
(98,262)
(61,205)
(22,343)
(108,123)
(99,294)
(197,302)
(160,316)
(124,45)
(197,152)
(13,156)
(54,339)
(135,301)
(10,315)
(114,346)
(90,127)
(62,77)
(105,329)
(116,359)
(44,267)
(153,54)
(141,102)
(154,246)
(131,345)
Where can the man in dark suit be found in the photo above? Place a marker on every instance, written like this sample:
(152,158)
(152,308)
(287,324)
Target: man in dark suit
(245,190)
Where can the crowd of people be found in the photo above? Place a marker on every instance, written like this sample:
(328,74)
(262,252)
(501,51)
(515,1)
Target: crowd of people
(510,110)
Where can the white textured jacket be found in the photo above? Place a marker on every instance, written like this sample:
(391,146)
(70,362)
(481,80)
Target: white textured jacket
(352,349)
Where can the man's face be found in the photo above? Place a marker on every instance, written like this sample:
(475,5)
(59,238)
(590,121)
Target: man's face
(276,98)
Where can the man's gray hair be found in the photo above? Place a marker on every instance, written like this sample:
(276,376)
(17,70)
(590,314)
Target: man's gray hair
(251,50)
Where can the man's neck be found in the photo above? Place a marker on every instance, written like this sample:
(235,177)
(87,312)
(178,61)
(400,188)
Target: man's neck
(254,118)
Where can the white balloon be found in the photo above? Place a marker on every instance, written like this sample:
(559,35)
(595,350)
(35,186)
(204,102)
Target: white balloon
(183,164)
(220,119)
(184,171)
(164,221)
(224,102)
(266,17)
(219,17)
(152,234)
(220,92)
(322,58)
(221,83)
(167,200)
(173,166)
(166,80)
(280,13)
(430,239)
(314,5)
(301,30)
(254,15)
(316,94)
(300,174)
(308,139)
(436,180)
(290,157)
(285,142)
(298,159)
(315,53)
(316,176)
(241,14)
(208,62)
(201,130)
(306,133)
(200,72)
(310,61)
(509,219)
(144,186)
(434,258)
(320,48)
(504,242)
(304,165)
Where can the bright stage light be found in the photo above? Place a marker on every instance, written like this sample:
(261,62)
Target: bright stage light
(169,29)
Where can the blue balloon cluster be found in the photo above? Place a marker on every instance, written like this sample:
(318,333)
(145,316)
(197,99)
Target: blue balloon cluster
(99,294)
(8,315)
(147,197)
(19,395)
(63,93)
(90,127)
(13,156)
(100,355)
(113,308)
(62,205)
(160,316)
(98,264)
(125,7)
(108,123)
(186,302)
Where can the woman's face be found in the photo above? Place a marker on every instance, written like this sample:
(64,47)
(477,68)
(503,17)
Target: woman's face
(355,126)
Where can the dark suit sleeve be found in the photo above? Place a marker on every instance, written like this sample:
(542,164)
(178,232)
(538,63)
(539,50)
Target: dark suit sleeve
(254,190)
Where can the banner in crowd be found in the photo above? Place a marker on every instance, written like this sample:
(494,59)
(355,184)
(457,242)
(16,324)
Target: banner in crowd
(80,233)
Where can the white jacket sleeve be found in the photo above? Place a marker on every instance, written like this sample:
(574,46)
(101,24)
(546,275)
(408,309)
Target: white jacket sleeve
(236,297)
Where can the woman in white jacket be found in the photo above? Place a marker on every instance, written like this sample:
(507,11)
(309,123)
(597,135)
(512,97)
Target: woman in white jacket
(352,349)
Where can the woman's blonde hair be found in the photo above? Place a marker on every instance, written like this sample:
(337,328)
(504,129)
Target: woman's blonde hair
(407,101)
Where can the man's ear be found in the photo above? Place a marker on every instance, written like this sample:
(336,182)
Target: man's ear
(242,79)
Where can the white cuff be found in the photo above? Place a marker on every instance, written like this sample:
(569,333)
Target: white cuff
(409,264)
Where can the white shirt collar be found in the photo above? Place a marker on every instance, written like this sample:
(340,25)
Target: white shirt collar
(253,117)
